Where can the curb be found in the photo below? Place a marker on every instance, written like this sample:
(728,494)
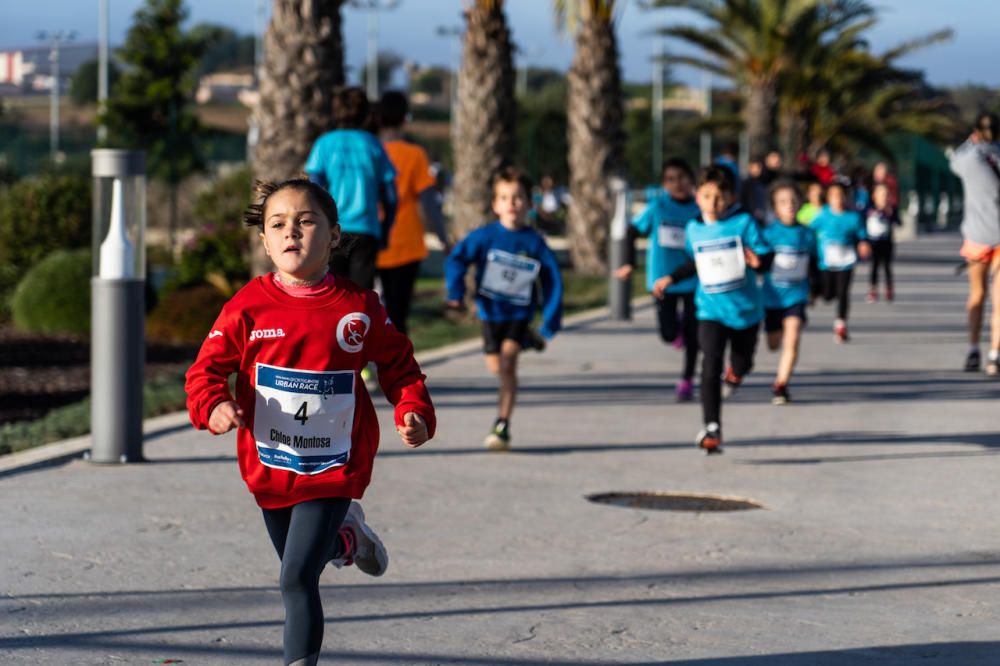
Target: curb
(65,450)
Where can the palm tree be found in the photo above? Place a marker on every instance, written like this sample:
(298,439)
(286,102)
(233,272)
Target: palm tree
(757,43)
(303,64)
(594,117)
(483,129)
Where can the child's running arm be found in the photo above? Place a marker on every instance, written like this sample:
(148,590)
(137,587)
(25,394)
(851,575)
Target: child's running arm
(456,265)
(552,293)
(207,380)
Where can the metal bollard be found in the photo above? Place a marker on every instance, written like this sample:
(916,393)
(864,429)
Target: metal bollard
(619,291)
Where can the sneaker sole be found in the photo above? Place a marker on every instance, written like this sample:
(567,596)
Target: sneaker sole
(992,371)
(779,401)
(496,443)
(381,554)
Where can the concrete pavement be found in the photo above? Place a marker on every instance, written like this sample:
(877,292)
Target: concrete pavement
(878,542)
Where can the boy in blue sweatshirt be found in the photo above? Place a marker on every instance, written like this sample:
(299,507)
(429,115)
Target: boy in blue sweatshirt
(509,258)
(726,250)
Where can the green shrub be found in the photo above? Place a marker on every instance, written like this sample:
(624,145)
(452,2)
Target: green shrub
(54,296)
(185,315)
(37,216)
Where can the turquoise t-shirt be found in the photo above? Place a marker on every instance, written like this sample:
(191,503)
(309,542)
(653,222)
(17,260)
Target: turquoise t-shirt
(837,236)
(352,165)
(664,221)
(787,283)
(727,288)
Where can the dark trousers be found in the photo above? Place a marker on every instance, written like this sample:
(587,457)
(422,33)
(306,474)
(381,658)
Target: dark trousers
(882,251)
(305,535)
(397,292)
(354,259)
(837,284)
(671,322)
(713,336)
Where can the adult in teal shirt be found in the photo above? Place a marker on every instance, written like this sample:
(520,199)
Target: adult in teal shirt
(352,165)
(663,221)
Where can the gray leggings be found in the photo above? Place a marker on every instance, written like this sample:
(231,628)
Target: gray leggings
(306,538)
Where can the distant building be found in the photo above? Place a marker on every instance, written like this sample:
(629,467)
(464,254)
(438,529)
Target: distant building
(224,87)
(29,69)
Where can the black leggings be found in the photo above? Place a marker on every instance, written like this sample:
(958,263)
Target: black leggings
(397,292)
(837,284)
(306,538)
(354,259)
(882,251)
(670,323)
(713,336)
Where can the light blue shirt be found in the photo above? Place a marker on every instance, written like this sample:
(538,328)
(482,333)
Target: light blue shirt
(664,221)
(837,237)
(787,283)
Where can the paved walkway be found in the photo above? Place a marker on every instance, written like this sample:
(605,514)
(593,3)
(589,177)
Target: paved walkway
(878,543)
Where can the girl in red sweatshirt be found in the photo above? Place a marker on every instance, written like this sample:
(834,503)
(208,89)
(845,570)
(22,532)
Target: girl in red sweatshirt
(297,340)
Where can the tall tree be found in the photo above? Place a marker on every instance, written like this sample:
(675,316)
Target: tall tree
(303,64)
(150,106)
(483,127)
(595,117)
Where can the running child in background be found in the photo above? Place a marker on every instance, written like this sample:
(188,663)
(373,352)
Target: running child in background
(786,285)
(307,432)
(880,219)
(664,221)
(813,205)
(725,248)
(840,239)
(509,258)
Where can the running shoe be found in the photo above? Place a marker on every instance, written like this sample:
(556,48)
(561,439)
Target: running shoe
(840,335)
(730,382)
(872,295)
(780,395)
(972,361)
(889,294)
(710,439)
(532,340)
(499,437)
(685,391)
(363,547)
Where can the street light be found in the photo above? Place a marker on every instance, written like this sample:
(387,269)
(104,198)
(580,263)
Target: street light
(56,40)
(374,7)
(657,105)
(522,72)
(102,68)
(454,33)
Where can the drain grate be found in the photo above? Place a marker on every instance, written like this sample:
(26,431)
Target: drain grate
(675,501)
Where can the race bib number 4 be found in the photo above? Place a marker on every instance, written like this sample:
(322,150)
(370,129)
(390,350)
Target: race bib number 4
(509,277)
(721,264)
(303,419)
(839,256)
(789,267)
(671,237)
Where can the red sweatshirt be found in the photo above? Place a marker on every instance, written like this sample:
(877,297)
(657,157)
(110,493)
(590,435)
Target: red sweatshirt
(311,428)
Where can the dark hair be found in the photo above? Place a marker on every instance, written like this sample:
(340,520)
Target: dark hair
(350,108)
(253,216)
(838,183)
(392,109)
(677,163)
(783,185)
(720,175)
(988,125)
(511,174)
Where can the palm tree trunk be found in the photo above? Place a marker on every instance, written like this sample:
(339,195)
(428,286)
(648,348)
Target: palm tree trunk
(596,141)
(483,129)
(761,116)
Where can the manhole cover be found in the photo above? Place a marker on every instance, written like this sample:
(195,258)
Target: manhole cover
(675,502)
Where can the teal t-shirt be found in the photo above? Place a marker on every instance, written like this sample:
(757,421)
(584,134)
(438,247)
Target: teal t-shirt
(664,221)
(787,283)
(727,289)
(353,165)
(837,236)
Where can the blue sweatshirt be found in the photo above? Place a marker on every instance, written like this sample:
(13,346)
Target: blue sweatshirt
(787,283)
(508,263)
(664,221)
(837,235)
(727,290)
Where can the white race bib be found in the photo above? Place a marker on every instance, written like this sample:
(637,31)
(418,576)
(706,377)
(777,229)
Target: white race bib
(721,264)
(789,267)
(303,419)
(839,256)
(877,226)
(671,236)
(509,277)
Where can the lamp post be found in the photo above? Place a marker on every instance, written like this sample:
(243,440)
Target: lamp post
(102,68)
(657,106)
(454,33)
(373,7)
(55,40)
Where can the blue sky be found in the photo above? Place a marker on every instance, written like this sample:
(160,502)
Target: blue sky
(410,31)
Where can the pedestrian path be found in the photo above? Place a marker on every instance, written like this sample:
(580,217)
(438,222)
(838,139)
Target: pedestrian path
(877,542)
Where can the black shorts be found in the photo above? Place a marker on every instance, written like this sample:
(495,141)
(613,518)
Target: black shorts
(495,332)
(774,320)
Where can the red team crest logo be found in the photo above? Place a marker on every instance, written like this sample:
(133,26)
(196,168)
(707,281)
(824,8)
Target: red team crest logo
(351,331)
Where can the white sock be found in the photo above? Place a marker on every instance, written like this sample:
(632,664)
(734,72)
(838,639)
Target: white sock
(840,322)
(994,354)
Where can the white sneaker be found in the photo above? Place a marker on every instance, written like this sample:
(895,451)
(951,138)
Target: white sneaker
(369,554)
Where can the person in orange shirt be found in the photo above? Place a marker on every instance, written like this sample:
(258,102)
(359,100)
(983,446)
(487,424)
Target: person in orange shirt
(399,263)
